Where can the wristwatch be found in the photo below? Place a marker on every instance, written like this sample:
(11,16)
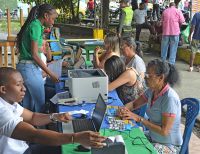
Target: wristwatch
(52,117)
(141,120)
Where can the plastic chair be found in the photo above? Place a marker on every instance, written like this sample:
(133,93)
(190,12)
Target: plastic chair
(143,110)
(192,112)
(58,47)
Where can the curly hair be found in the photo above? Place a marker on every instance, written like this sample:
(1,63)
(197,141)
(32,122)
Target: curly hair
(5,72)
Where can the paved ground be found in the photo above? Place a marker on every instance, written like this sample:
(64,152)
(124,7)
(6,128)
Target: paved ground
(190,81)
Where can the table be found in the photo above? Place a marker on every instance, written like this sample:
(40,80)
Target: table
(129,136)
(88,45)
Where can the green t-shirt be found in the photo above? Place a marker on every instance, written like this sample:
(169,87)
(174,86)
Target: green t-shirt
(33,32)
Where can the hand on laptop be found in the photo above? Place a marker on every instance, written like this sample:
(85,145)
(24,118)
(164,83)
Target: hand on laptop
(89,139)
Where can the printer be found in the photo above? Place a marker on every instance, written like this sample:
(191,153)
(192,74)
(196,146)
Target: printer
(86,84)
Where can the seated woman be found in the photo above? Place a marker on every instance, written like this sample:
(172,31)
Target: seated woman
(126,81)
(111,48)
(130,57)
(163,109)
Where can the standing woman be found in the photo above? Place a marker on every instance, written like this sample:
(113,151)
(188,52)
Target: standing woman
(29,42)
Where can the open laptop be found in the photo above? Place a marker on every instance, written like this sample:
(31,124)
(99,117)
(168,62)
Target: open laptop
(93,124)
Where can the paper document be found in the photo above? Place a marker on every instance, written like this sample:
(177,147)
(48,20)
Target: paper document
(56,67)
(62,95)
(78,112)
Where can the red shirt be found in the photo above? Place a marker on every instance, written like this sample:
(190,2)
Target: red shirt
(90,5)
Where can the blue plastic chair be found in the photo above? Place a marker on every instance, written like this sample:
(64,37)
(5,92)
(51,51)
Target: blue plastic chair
(192,112)
(58,47)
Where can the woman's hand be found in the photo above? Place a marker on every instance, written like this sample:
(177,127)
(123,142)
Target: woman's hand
(189,38)
(89,139)
(54,77)
(97,51)
(62,117)
(126,114)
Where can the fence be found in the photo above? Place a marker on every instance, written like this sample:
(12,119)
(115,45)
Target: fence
(7,54)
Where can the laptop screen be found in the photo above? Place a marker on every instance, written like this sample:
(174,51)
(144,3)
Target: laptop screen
(99,112)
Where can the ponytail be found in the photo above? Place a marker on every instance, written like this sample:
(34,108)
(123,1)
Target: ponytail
(36,12)
(173,76)
(169,71)
(32,15)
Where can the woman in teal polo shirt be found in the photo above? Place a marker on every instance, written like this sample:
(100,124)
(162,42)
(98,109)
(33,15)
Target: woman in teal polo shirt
(29,42)
(163,107)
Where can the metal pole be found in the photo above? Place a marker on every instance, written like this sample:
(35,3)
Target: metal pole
(101,12)
(95,14)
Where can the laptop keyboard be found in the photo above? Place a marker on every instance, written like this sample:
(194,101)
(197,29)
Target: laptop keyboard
(80,125)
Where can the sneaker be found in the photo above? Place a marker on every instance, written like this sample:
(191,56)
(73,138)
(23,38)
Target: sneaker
(190,69)
(198,68)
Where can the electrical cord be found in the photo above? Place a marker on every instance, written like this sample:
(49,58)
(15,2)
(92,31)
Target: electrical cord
(143,142)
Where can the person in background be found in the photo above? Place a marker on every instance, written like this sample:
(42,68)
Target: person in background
(125,20)
(134,4)
(17,123)
(156,10)
(130,57)
(163,107)
(172,19)
(90,7)
(127,81)
(155,32)
(111,47)
(194,38)
(186,5)
(140,16)
(29,42)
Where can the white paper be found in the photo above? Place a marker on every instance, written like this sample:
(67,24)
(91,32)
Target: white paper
(78,112)
(119,138)
(56,67)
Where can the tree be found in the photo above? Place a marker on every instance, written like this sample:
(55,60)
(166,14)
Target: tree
(69,7)
(105,13)
(11,4)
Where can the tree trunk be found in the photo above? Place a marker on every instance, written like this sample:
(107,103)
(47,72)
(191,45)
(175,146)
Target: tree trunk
(105,15)
(177,2)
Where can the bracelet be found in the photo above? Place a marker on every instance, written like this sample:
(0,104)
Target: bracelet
(52,117)
(72,139)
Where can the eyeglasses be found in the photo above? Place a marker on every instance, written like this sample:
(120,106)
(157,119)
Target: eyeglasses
(147,75)
(123,45)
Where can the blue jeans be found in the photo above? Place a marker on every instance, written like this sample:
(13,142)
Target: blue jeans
(34,99)
(172,41)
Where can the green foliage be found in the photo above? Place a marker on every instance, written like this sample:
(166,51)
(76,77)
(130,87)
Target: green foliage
(11,4)
(69,7)
(15,26)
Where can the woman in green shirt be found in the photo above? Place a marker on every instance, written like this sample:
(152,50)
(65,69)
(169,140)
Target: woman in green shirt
(29,42)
